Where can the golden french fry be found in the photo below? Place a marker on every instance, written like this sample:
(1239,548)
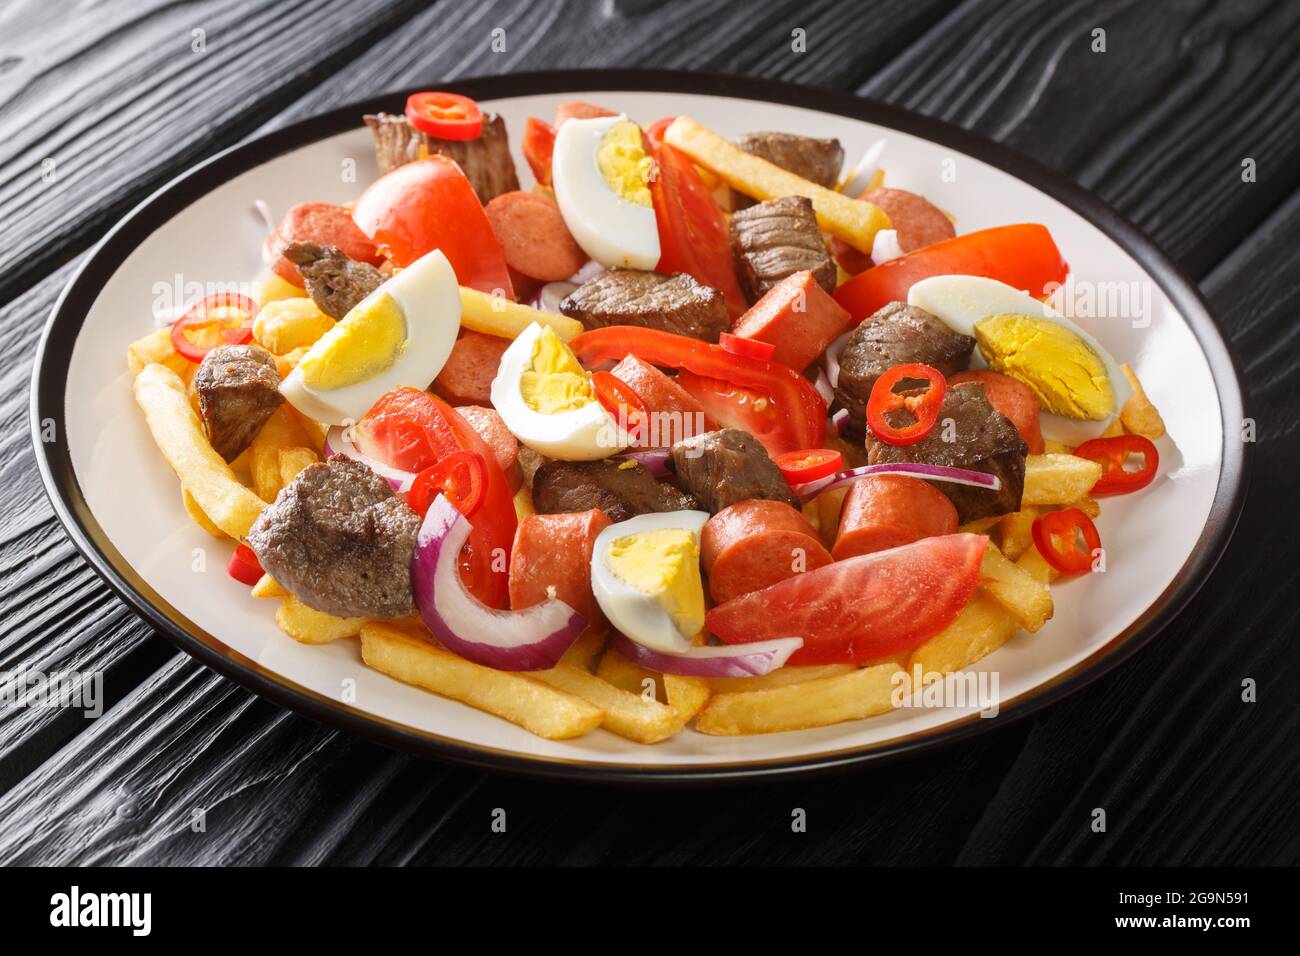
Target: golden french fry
(980,629)
(179,434)
(1052,447)
(285,324)
(497,315)
(1015,532)
(686,696)
(980,525)
(314,430)
(829,504)
(306,625)
(268,587)
(865,692)
(524,502)
(1113,428)
(584,650)
(293,460)
(853,220)
(782,677)
(537,707)
(284,364)
(1019,593)
(156,347)
(616,669)
(1033,562)
(1088,505)
(280,431)
(626,714)
(272,288)
(197,516)
(1058,479)
(1139,416)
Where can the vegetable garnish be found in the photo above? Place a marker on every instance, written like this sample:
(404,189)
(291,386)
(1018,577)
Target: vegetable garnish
(527,640)
(750,348)
(444,115)
(244,566)
(1112,453)
(461,477)
(957,476)
(800,467)
(924,406)
(621,401)
(338,441)
(538,147)
(657,461)
(739,660)
(232,312)
(1067,540)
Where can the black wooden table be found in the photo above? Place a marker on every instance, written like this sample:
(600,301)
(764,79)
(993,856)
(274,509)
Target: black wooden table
(100,104)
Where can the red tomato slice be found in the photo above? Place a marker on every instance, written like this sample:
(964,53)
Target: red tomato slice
(750,348)
(444,115)
(732,406)
(862,608)
(427,205)
(538,146)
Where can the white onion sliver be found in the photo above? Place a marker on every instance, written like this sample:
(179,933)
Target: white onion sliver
(549,296)
(808,490)
(865,171)
(338,442)
(727,660)
(824,387)
(840,420)
(833,353)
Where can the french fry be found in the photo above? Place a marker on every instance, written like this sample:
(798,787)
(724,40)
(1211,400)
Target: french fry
(306,625)
(1058,479)
(616,669)
(584,650)
(980,629)
(686,696)
(156,347)
(1053,447)
(284,364)
(1139,416)
(1036,565)
(293,460)
(1023,597)
(626,714)
(197,516)
(268,587)
(1088,505)
(179,434)
(285,324)
(864,692)
(272,288)
(980,525)
(782,677)
(524,502)
(314,430)
(1015,532)
(280,431)
(496,315)
(853,220)
(531,704)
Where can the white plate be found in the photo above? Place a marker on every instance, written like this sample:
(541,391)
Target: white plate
(122,505)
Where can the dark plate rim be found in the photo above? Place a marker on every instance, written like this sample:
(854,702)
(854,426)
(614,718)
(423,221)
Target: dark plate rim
(65,321)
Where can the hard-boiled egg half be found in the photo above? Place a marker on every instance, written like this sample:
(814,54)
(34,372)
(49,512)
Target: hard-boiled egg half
(601,171)
(1078,383)
(645,573)
(546,399)
(400,334)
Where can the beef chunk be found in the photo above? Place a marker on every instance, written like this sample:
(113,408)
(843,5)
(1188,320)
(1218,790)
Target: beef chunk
(341,541)
(982,439)
(723,467)
(778,238)
(817,160)
(238,389)
(334,282)
(675,303)
(485,161)
(622,489)
(895,335)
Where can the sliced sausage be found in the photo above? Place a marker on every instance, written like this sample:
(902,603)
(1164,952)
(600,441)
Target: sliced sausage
(798,317)
(886,511)
(554,552)
(466,378)
(577,109)
(533,236)
(674,412)
(1012,398)
(491,427)
(917,221)
(753,544)
(323,224)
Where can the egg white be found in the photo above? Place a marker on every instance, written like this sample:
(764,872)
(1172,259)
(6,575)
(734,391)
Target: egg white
(633,612)
(613,231)
(581,434)
(428,295)
(961,301)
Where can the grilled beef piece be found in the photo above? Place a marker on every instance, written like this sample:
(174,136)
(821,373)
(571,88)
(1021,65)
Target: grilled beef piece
(238,389)
(334,282)
(340,540)
(897,334)
(619,490)
(485,161)
(778,238)
(723,467)
(675,303)
(983,439)
(817,160)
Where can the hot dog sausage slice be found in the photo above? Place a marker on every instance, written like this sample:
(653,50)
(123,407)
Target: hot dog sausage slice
(752,544)
(466,378)
(886,511)
(554,551)
(533,236)
(491,427)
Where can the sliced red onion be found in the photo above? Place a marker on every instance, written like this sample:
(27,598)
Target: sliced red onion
(728,660)
(339,442)
(824,387)
(840,420)
(529,640)
(587,272)
(549,296)
(957,476)
(655,460)
(833,353)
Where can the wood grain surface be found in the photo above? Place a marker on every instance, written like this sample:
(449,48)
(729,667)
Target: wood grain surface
(1158,125)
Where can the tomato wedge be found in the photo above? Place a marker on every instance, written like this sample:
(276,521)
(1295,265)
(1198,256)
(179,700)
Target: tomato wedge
(538,146)
(924,406)
(1023,256)
(862,608)
(444,115)
(750,348)
(809,464)
(693,236)
(244,566)
(788,412)
(461,477)
(1112,453)
(230,312)
(415,431)
(427,205)
(622,401)
(1067,540)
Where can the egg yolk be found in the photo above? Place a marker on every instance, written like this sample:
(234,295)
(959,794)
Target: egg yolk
(1063,371)
(622,161)
(554,382)
(363,344)
(665,566)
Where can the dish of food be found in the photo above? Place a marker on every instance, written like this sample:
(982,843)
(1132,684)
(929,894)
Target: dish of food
(638,433)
